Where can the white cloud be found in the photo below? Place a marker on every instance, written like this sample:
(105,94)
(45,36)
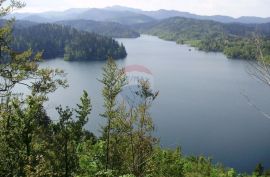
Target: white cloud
(234,8)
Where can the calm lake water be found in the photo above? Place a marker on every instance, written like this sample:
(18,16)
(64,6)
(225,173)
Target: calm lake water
(201,106)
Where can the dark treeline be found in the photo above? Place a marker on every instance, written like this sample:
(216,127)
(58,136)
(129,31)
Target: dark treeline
(104,28)
(60,41)
(110,29)
(18,23)
(234,39)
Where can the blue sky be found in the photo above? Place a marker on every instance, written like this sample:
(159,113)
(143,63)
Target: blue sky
(233,8)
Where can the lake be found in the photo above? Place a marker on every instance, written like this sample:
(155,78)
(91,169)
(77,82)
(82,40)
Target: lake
(206,101)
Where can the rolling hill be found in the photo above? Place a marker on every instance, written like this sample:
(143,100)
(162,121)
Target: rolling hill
(233,39)
(110,29)
(163,14)
(123,17)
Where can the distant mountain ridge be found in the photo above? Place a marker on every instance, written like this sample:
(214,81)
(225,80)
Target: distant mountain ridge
(123,17)
(128,16)
(235,40)
(163,14)
(109,29)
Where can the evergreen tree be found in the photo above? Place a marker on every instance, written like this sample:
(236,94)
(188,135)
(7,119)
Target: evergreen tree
(113,81)
(144,140)
(68,134)
(259,169)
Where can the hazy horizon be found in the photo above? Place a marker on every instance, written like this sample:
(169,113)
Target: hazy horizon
(208,7)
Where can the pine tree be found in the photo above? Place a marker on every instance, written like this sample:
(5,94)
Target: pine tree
(113,81)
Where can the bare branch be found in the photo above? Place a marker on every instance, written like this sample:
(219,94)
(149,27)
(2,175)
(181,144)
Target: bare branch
(260,68)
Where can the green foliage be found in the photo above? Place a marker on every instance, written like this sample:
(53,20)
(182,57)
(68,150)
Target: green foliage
(68,134)
(234,40)
(10,6)
(167,163)
(21,68)
(113,80)
(80,48)
(60,41)
(109,29)
(18,130)
(32,145)
(143,141)
(258,171)
(91,158)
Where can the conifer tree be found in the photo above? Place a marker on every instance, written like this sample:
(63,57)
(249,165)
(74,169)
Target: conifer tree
(113,81)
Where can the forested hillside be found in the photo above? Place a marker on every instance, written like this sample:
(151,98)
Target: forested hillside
(18,24)
(109,29)
(59,41)
(164,13)
(123,17)
(34,144)
(235,40)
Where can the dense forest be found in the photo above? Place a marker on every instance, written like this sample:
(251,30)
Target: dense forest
(34,144)
(18,24)
(234,40)
(60,41)
(110,29)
